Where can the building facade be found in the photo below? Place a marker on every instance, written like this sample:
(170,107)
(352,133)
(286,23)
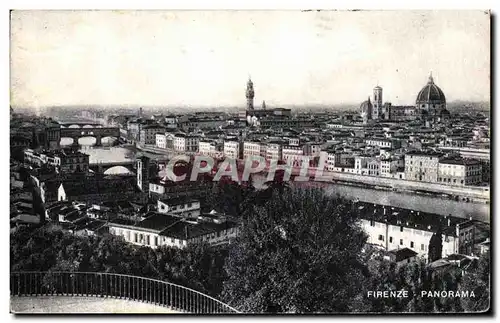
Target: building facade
(422,166)
(233,149)
(394,228)
(459,171)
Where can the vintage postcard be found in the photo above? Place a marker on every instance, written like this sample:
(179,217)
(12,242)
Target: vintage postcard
(250,162)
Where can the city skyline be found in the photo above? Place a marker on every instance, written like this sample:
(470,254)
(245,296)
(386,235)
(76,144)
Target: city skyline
(141,58)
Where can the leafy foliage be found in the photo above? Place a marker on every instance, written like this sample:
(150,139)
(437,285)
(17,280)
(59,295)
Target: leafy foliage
(297,252)
(51,249)
(478,280)
(436,245)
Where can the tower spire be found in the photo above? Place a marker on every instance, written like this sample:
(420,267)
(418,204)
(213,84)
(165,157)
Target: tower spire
(431,79)
(250,94)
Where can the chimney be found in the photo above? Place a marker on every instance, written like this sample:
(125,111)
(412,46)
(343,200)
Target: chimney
(186,231)
(449,221)
(383,207)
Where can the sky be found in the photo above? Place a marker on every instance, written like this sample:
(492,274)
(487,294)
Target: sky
(204,58)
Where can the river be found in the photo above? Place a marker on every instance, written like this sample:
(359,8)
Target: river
(417,202)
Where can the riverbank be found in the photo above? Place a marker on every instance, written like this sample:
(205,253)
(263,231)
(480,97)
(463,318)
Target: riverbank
(410,191)
(474,194)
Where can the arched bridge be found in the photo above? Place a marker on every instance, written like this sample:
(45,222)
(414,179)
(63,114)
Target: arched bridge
(97,132)
(80,124)
(61,286)
(101,167)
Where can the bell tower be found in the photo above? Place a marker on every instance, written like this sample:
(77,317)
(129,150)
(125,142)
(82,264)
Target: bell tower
(250,95)
(143,173)
(377,102)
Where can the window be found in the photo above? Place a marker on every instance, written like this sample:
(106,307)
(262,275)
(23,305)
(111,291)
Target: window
(390,239)
(412,245)
(422,247)
(372,223)
(401,229)
(380,237)
(401,241)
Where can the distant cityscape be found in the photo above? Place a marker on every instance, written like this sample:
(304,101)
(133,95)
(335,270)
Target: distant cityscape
(424,153)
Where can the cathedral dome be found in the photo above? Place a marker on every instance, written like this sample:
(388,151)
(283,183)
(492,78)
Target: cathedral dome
(431,94)
(366,106)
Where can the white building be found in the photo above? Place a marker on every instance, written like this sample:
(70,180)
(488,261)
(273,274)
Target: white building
(251,148)
(179,207)
(210,148)
(205,147)
(422,166)
(389,167)
(360,164)
(166,230)
(274,151)
(161,140)
(186,143)
(233,149)
(459,171)
(330,161)
(294,155)
(394,228)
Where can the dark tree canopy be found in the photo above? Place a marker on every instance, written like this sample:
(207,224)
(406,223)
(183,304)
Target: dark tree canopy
(298,252)
(478,279)
(51,249)
(436,245)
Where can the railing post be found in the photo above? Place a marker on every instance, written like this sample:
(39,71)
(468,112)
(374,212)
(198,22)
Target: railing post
(142,289)
(36,283)
(134,287)
(170,296)
(18,284)
(24,287)
(65,285)
(128,285)
(164,286)
(73,292)
(154,292)
(176,296)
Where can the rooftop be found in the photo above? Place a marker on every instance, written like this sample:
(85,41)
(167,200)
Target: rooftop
(410,218)
(403,254)
(91,185)
(459,161)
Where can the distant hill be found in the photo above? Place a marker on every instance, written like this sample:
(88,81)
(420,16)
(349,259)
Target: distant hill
(61,111)
(459,105)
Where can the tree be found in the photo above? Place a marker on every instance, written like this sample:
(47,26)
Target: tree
(298,252)
(436,245)
(478,280)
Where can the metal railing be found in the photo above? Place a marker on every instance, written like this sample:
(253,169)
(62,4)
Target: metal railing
(119,286)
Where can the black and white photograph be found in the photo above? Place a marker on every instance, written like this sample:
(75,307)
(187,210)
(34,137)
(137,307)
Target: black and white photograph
(245,162)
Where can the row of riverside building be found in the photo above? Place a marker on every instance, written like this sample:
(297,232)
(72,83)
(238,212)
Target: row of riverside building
(386,157)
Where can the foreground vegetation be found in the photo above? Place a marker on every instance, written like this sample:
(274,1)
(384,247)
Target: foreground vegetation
(299,251)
